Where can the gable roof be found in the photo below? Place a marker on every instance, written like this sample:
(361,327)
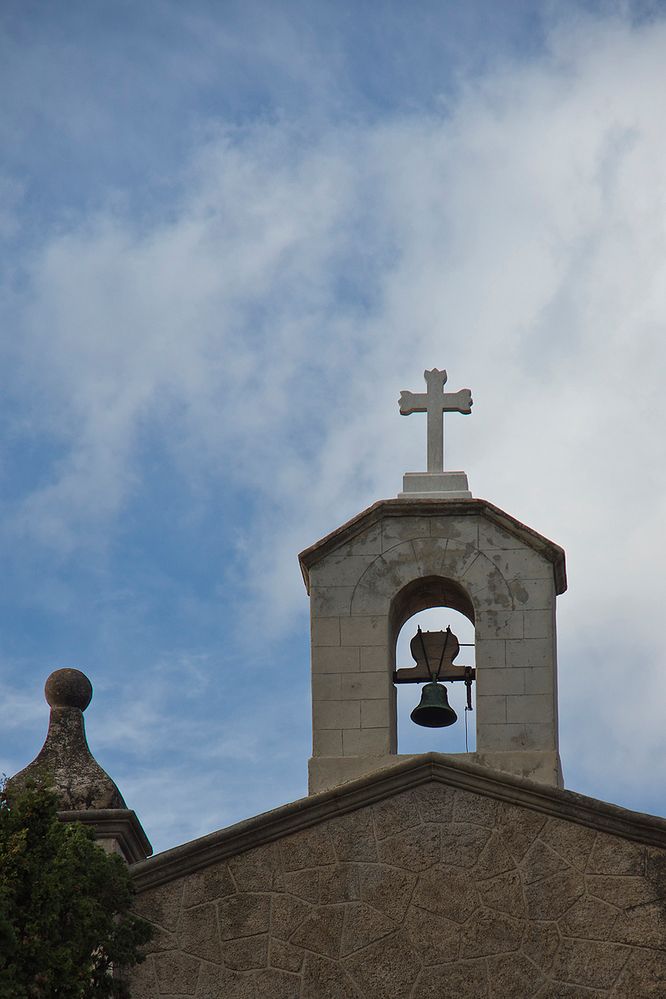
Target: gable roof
(436,508)
(388,782)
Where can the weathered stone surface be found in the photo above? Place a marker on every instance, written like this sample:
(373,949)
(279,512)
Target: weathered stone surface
(324,979)
(519,828)
(197,932)
(415,850)
(258,870)
(215,982)
(177,973)
(446,892)
(207,885)
(462,843)
(589,962)
(643,975)
(321,931)
(353,836)
(504,894)
(285,956)
(300,849)
(510,912)
(303,884)
(551,898)
(246,953)
(385,970)
(540,943)
(387,889)
(396,814)
(491,933)
(340,884)
(274,984)
(611,855)
(243,915)
(451,981)
(287,915)
(436,939)
(513,975)
(362,926)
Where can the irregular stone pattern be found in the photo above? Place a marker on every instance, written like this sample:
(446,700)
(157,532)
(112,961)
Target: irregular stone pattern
(431,894)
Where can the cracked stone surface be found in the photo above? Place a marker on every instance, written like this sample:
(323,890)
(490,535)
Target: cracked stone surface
(432,893)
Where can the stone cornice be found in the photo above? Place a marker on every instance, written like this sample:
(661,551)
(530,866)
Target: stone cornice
(119,824)
(382,784)
(436,508)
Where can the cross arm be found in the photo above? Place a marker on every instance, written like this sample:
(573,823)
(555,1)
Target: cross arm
(457,402)
(413,402)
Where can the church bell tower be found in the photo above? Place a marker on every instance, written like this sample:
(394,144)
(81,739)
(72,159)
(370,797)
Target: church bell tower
(435,545)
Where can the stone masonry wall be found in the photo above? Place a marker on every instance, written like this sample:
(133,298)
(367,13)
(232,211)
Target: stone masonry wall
(435,893)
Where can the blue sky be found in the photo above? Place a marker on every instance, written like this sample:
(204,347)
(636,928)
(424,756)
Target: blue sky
(230,234)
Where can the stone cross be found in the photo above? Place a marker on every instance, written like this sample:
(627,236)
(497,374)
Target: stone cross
(435,402)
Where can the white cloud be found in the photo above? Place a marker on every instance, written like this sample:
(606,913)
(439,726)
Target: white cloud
(265,328)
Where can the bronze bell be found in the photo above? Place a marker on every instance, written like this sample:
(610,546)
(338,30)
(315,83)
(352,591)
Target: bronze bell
(434,710)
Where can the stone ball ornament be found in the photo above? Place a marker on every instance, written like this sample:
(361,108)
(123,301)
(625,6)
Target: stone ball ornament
(68,688)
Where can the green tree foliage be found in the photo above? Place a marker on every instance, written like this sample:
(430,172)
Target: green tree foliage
(65,919)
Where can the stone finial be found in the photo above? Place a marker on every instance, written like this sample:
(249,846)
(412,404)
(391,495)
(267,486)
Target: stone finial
(65,758)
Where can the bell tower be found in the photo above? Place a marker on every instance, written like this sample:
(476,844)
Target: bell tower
(433,546)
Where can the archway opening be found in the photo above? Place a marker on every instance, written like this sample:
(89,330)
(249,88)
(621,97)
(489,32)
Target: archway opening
(433,604)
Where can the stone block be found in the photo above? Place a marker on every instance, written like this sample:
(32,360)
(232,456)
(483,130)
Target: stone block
(612,855)
(365,686)
(451,981)
(589,963)
(529,708)
(438,942)
(329,659)
(326,979)
(340,883)
(530,652)
(539,623)
(368,542)
(197,932)
(539,680)
(287,914)
(491,933)
(387,889)
(446,891)
(521,564)
(375,713)
(286,957)
(492,536)
(331,601)
(243,915)
(532,594)
(398,529)
(336,714)
(365,742)
(353,837)
(493,623)
(340,570)
(491,653)
(363,926)
(513,737)
(430,554)
(393,815)
(491,708)
(327,686)
(259,869)
(414,849)
(325,630)
(302,849)
(177,973)
(275,984)
(321,931)
(388,967)
(207,885)
(246,954)
(374,658)
(327,742)
(364,630)
(463,530)
(508,680)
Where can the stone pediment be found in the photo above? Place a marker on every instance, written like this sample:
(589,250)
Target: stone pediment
(424,508)
(428,878)
(382,786)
